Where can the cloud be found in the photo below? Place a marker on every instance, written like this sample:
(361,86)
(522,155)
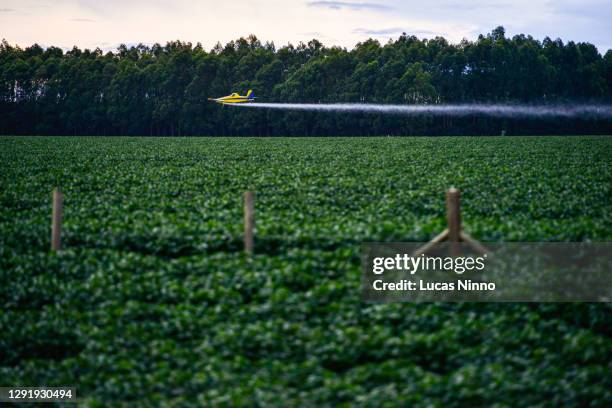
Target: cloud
(314,34)
(474,6)
(83,20)
(383,31)
(339,22)
(337,5)
(391,31)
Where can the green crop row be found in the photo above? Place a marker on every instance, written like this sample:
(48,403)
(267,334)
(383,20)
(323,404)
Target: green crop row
(153,302)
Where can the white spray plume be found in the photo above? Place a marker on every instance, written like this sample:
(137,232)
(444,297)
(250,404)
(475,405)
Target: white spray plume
(509,111)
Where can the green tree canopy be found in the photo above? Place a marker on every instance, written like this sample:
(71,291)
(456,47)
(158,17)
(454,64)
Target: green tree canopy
(163,89)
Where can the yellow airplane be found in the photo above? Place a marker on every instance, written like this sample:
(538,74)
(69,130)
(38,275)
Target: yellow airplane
(235,98)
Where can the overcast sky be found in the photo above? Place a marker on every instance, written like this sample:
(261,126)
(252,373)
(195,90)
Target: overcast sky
(108,23)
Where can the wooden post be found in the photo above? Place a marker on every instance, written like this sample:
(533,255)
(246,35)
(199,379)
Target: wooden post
(453,233)
(249,221)
(56,221)
(453,214)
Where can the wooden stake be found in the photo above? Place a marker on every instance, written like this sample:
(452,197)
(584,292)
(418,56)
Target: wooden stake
(453,214)
(476,246)
(56,221)
(436,240)
(453,233)
(249,221)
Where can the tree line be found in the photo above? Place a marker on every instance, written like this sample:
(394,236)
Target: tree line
(163,90)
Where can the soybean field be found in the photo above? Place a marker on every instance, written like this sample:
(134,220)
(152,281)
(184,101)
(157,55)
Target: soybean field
(152,301)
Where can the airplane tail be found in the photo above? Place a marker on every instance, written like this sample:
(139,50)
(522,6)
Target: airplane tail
(250,94)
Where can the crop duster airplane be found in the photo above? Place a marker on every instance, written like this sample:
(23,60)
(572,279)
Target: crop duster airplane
(235,98)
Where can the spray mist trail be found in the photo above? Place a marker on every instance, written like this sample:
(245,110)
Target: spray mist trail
(506,111)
